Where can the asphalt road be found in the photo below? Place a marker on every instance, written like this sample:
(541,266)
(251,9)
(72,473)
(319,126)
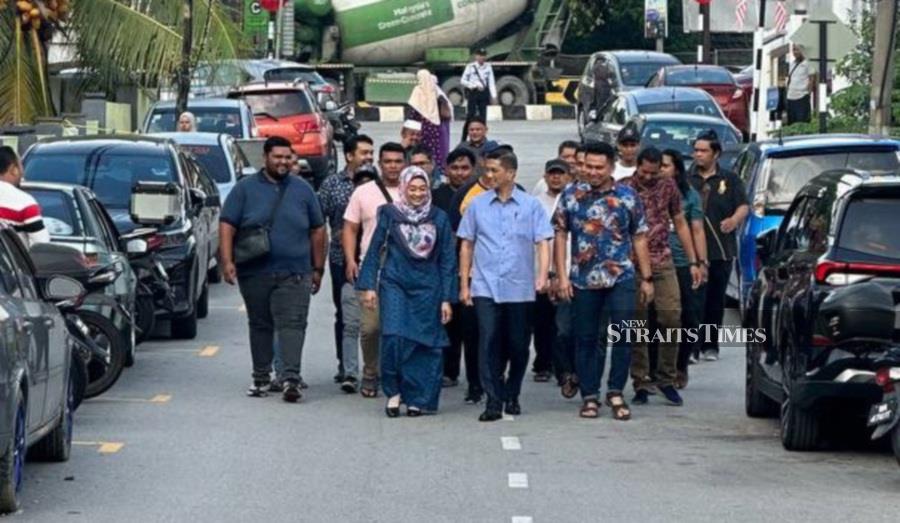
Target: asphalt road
(177,440)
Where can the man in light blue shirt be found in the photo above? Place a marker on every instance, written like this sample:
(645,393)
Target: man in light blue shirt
(499,232)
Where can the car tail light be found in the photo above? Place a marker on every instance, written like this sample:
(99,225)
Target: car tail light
(819,340)
(308,126)
(155,242)
(327,88)
(841,273)
(883,376)
(738,94)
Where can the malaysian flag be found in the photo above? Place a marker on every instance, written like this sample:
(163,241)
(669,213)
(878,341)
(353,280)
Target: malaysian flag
(781,16)
(740,12)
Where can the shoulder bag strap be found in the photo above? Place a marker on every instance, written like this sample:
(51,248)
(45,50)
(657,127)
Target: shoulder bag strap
(277,205)
(387,196)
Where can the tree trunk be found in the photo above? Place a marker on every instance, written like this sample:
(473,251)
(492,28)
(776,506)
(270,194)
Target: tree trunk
(184,72)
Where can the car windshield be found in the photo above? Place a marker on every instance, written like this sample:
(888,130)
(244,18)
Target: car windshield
(639,73)
(219,120)
(278,103)
(869,227)
(213,160)
(701,107)
(289,75)
(788,175)
(109,173)
(690,76)
(681,135)
(58,212)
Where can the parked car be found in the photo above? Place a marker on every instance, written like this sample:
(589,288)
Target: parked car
(74,217)
(678,131)
(829,274)
(111,166)
(627,70)
(774,171)
(219,155)
(624,106)
(214,115)
(744,79)
(218,78)
(289,109)
(715,80)
(37,397)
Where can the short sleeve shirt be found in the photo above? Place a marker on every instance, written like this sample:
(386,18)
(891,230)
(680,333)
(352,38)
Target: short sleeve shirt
(662,203)
(334,195)
(799,80)
(602,225)
(692,213)
(363,209)
(721,194)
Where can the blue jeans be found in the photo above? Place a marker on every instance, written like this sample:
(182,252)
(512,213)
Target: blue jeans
(593,311)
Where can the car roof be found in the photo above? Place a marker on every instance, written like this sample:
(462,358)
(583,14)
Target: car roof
(682,67)
(853,181)
(83,144)
(814,141)
(202,103)
(636,55)
(667,94)
(280,85)
(680,117)
(193,138)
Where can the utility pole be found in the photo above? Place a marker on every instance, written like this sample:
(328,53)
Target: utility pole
(707,37)
(883,67)
(184,71)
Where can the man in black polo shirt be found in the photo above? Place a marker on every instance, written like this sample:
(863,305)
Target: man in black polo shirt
(724,207)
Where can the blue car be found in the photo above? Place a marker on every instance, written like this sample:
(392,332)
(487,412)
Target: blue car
(774,171)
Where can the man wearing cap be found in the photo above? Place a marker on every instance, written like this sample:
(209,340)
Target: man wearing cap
(410,136)
(627,144)
(478,79)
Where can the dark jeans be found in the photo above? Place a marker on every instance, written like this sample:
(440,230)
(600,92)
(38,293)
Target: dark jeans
(593,311)
(463,333)
(691,306)
(544,333)
(564,344)
(502,327)
(798,110)
(714,301)
(338,279)
(276,303)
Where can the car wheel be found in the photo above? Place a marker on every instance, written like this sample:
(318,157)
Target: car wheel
(799,426)
(203,303)
(103,372)
(186,328)
(214,276)
(57,445)
(12,464)
(79,380)
(756,404)
(895,443)
(145,316)
(132,343)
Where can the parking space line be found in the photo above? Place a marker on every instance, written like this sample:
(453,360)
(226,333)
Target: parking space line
(522,519)
(209,351)
(511,443)
(159,398)
(103,447)
(518,480)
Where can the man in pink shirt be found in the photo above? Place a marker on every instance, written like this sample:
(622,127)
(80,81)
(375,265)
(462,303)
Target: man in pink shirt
(359,226)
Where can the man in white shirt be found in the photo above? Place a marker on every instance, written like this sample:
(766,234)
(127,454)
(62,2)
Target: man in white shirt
(628,142)
(801,83)
(478,79)
(18,208)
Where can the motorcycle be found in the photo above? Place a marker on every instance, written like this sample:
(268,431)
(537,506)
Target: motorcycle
(343,119)
(885,416)
(153,289)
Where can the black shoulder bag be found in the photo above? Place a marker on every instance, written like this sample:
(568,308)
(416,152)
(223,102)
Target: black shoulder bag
(252,243)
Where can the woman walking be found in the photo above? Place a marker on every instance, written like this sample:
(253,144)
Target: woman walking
(429,105)
(410,273)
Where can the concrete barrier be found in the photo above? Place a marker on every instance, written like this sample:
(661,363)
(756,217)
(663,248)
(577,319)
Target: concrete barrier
(496,113)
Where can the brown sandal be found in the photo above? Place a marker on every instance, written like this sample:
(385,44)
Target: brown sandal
(569,387)
(619,408)
(369,388)
(590,409)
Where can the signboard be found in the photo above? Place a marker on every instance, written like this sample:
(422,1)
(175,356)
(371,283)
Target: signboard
(656,19)
(386,19)
(255,18)
(839,38)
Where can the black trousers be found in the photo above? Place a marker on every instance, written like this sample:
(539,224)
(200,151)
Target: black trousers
(691,304)
(799,110)
(499,322)
(463,334)
(477,102)
(338,279)
(544,334)
(714,300)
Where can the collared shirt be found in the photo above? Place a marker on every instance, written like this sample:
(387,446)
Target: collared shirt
(602,225)
(662,203)
(721,194)
(334,195)
(504,234)
(692,213)
(798,80)
(476,76)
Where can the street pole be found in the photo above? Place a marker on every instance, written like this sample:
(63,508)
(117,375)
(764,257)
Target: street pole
(757,102)
(659,45)
(883,67)
(184,70)
(270,44)
(822,97)
(707,37)
(279,32)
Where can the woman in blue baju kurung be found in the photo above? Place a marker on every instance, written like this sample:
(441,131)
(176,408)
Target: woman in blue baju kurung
(414,287)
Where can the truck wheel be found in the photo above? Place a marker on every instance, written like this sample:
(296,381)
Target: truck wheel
(512,90)
(454,90)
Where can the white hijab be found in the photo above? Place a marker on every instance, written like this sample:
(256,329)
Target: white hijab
(424,97)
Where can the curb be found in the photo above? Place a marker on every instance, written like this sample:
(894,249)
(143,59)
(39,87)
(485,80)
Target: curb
(496,113)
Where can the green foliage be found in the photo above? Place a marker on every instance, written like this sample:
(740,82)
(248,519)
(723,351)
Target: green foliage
(593,19)
(23,77)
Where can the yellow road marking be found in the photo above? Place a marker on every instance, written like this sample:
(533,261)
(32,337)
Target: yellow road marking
(209,351)
(159,398)
(103,447)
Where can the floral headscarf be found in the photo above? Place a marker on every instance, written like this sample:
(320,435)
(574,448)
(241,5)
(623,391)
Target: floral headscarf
(415,228)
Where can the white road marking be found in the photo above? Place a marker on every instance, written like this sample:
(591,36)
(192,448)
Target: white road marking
(507,417)
(522,519)
(518,480)
(511,443)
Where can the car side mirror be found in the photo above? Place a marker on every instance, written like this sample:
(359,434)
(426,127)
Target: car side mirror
(63,290)
(765,244)
(136,246)
(198,197)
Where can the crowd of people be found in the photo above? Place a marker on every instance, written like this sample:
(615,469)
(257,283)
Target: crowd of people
(441,257)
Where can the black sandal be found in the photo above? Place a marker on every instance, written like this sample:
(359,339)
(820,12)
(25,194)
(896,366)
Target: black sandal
(620,409)
(570,387)
(590,409)
(369,388)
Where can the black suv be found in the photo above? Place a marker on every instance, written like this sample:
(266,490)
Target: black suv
(111,166)
(836,248)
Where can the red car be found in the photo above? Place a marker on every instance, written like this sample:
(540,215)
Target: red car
(715,80)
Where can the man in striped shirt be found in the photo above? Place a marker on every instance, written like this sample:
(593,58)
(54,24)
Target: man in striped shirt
(18,208)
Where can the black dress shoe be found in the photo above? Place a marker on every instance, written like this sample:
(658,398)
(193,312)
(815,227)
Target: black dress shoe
(413,412)
(392,412)
(490,415)
(513,408)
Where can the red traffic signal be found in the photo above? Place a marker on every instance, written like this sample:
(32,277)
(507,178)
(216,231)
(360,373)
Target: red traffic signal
(271,6)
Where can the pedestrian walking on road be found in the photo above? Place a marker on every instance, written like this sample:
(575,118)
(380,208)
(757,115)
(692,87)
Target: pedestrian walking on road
(481,88)
(499,232)
(725,208)
(628,143)
(606,222)
(334,195)
(566,152)
(360,220)
(430,107)
(672,166)
(477,139)
(410,276)
(273,244)
(663,212)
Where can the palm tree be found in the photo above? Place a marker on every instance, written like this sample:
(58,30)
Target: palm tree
(119,41)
